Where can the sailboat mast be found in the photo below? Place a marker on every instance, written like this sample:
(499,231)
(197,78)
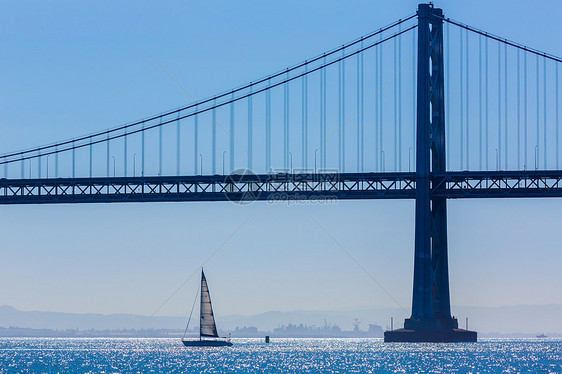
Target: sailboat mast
(201,305)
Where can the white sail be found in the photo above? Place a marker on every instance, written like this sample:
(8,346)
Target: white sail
(208,326)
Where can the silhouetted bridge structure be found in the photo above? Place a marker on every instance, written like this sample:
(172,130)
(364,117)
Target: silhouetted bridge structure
(400,113)
(254,187)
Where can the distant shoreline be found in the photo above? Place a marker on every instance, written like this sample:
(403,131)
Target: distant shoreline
(20,332)
(523,321)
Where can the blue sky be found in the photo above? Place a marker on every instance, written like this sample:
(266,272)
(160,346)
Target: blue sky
(73,68)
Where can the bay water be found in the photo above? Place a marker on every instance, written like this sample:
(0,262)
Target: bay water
(153,355)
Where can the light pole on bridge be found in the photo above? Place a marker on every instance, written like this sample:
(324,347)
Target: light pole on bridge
(290,162)
(536,157)
(315,153)
(409,160)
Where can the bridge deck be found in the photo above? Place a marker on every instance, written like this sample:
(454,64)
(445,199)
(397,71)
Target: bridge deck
(298,186)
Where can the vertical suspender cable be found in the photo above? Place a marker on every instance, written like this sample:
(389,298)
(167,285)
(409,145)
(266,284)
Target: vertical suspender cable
(340,115)
(487,102)
(250,129)
(518,110)
(107,151)
(414,95)
(214,137)
(499,162)
(480,102)
(395,74)
(557,103)
(544,112)
(178,137)
(305,139)
(538,115)
(73,160)
(380,104)
(399,99)
(288,119)
(357,99)
(303,121)
(448,88)
(38,166)
(359,108)
(525,108)
(23,165)
(505,107)
(160,148)
(90,156)
(461,71)
(195,141)
(56,164)
(232,134)
(324,115)
(125,151)
(268,127)
(142,152)
(285,135)
(362,114)
(322,145)
(377,93)
(467,106)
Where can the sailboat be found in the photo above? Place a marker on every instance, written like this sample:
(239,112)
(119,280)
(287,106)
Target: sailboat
(207,325)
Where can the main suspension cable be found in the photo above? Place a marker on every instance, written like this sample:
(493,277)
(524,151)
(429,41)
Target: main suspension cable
(503,40)
(219,96)
(214,106)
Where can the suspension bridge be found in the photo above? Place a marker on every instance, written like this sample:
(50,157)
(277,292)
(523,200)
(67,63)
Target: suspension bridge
(425,108)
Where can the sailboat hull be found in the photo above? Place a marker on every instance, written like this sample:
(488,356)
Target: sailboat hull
(206,343)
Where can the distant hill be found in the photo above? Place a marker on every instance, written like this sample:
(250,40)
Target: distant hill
(501,321)
(10,316)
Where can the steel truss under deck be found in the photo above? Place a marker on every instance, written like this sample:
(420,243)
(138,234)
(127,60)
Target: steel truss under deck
(273,187)
(498,184)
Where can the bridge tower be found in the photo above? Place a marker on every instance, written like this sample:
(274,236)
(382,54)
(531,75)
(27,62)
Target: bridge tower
(431,319)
